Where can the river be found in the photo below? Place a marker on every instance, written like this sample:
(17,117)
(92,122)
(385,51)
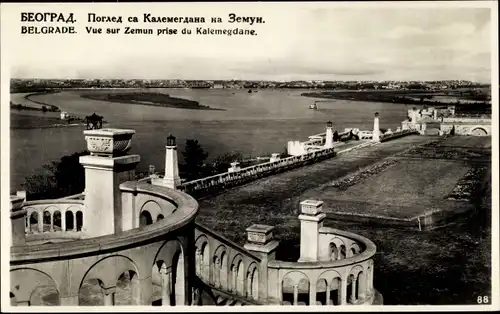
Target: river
(254,124)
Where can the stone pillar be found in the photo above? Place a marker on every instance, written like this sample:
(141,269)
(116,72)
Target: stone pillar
(260,242)
(328,301)
(52,222)
(312,293)
(376,128)
(235,166)
(171,178)
(414,117)
(435,114)
(343,291)
(352,299)
(109,296)
(274,157)
(329,135)
(234,276)
(295,294)
(217,272)
(311,220)
(63,221)
(197,262)
(105,169)
(165,286)
(18,220)
(40,221)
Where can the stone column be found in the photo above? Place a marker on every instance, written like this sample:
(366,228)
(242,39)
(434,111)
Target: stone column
(51,222)
(414,117)
(166,275)
(311,220)
(260,242)
(353,290)
(312,293)
(343,291)
(217,272)
(63,221)
(234,276)
(328,301)
(109,296)
(40,222)
(135,290)
(376,128)
(197,262)
(105,169)
(295,294)
(329,135)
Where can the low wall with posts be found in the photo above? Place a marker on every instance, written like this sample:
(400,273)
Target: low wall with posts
(52,219)
(343,274)
(229,179)
(227,267)
(394,135)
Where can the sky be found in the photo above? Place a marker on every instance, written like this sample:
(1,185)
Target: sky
(299,41)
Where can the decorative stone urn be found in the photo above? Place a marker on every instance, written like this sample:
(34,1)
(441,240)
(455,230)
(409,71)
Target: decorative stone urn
(108,142)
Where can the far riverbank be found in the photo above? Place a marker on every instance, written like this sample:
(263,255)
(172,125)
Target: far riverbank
(466,101)
(36,105)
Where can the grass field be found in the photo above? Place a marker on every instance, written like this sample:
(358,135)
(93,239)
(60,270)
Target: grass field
(404,190)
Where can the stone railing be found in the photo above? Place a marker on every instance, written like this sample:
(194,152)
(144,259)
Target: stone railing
(61,218)
(143,204)
(157,251)
(225,266)
(466,119)
(390,136)
(343,275)
(244,175)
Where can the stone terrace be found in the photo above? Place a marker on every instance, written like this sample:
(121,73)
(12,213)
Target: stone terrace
(275,200)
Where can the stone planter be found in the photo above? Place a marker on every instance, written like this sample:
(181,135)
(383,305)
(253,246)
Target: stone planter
(108,142)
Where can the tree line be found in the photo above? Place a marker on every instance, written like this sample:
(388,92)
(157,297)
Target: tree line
(66,176)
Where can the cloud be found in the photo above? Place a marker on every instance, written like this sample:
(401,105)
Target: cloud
(404,31)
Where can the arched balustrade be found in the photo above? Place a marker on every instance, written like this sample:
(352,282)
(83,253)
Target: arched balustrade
(295,288)
(33,287)
(169,266)
(203,258)
(54,218)
(105,275)
(253,282)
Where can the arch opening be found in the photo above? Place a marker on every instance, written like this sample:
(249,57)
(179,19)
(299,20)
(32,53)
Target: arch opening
(70,224)
(145,218)
(79,220)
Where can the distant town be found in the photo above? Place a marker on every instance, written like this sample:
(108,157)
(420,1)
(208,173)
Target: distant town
(21,85)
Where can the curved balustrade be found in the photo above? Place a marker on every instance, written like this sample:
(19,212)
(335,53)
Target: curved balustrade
(144,204)
(61,216)
(145,265)
(343,275)
(226,266)
(247,174)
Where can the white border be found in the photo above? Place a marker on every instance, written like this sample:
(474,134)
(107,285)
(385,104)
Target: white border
(5,165)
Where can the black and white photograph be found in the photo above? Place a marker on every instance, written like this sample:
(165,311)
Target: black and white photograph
(268,156)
